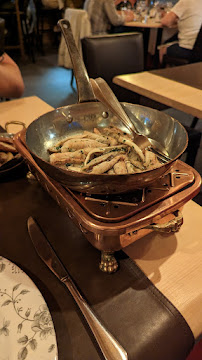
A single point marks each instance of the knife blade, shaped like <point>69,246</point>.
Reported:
<point>110,347</point>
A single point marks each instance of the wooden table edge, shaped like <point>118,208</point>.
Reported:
<point>119,80</point>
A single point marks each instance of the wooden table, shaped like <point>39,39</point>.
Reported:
<point>172,262</point>
<point>178,87</point>
<point>24,109</point>
<point>150,23</point>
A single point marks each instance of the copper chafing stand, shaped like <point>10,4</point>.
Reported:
<point>110,223</point>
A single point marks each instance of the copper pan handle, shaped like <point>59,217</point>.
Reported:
<point>14,122</point>
<point>170,226</point>
<point>85,91</point>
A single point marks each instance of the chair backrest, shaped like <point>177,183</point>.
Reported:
<point>197,49</point>
<point>2,34</point>
<point>109,55</point>
<point>81,27</point>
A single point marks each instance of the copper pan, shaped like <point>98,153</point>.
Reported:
<point>87,114</point>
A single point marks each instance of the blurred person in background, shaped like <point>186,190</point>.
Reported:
<point>126,4</point>
<point>51,4</point>
<point>187,16</point>
<point>11,83</point>
<point>61,4</point>
<point>103,15</point>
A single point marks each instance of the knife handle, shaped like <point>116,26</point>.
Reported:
<point>109,346</point>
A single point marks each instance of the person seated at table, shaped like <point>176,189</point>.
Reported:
<point>126,4</point>
<point>11,84</point>
<point>103,15</point>
<point>61,4</point>
<point>187,16</point>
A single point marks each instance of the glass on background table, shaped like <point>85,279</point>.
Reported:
<point>150,9</point>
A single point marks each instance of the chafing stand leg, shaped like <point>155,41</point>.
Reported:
<point>30,176</point>
<point>108,263</point>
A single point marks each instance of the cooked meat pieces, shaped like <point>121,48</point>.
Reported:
<point>103,151</point>
<point>4,157</point>
<point>4,146</point>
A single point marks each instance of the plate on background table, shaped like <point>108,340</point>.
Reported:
<point>14,167</point>
<point>26,326</point>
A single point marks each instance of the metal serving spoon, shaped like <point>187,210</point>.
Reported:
<point>106,96</point>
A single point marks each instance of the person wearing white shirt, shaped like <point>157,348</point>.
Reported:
<point>187,16</point>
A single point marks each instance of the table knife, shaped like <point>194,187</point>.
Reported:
<point>109,346</point>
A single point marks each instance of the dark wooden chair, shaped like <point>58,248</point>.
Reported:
<point>2,40</point>
<point>47,19</point>
<point>11,13</point>
<point>2,34</point>
<point>19,35</point>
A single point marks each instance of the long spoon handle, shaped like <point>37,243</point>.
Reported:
<point>106,96</point>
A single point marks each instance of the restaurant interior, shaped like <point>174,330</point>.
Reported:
<point>131,254</point>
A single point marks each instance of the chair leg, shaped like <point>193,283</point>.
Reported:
<point>191,156</point>
<point>72,79</point>
<point>193,145</point>
<point>20,34</point>
<point>39,31</point>
<point>29,40</point>
<point>194,122</point>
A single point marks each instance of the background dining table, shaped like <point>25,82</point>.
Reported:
<point>167,268</point>
<point>179,87</point>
